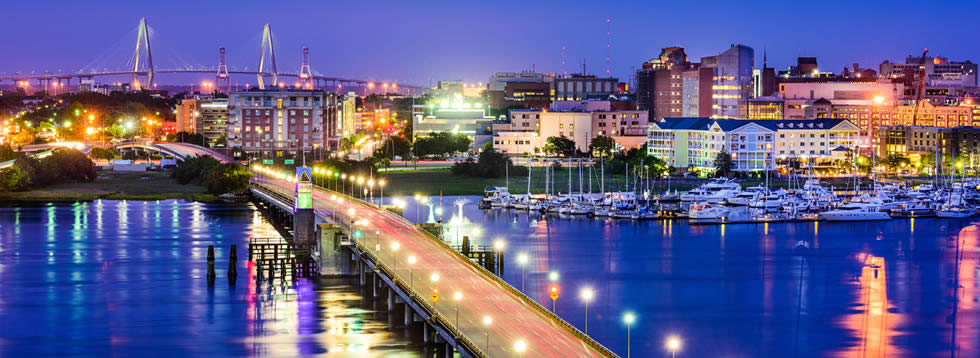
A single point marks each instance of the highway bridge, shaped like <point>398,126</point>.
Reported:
<point>469,309</point>
<point>139,64</point>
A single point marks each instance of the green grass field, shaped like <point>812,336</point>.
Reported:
<point>116,186</point>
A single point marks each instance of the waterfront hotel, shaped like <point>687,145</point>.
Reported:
<point>694,142</point>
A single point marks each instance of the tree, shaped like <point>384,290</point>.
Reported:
<point>103,153</point>
<point>14,178</point>
<point>561,146</point>
<point>602,146</point>
<point>227,178</point>
<point>441,144</point>
<point>392,147</point>
<point>724,164</point>
<point>491,164</point>
<point>894,161</point>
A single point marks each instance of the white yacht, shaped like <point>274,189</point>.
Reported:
<point>703,211</point>
<point>955,212</point>
<point>496,197</point>
<point>745,196</point>
<point>865,213</point>
<point>715,191</point>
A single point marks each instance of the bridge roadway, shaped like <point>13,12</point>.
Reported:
<point>515,317</point>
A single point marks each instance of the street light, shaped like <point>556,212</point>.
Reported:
<point>587,295</point>
<point>381,186</point>
<point>394,249</point>
<point>673,344</point>
<point>486,323</point>
<point>520,346</point>
<point>522,260</point>
<point>411,270</point>
<point>418,204</point>
<point>498,248</point>
<point>628,318</point>
<point>457,296</point>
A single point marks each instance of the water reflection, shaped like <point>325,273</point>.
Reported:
<point>898,288</point>
<point>129,279</point>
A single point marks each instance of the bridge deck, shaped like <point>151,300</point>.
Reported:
<point>514,316</point>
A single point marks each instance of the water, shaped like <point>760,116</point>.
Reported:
<point>788,289</point>
<point>128,278</point>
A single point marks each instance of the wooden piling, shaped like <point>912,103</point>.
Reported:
<point>233,265</point>
<point>211,273</point>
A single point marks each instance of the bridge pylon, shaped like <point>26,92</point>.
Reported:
<point>143,45</point>
<point>267,43</point>
<point>222,74</point>
<point>305,74</point>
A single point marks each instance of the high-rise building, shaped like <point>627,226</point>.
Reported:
<point>187,115</point>
<point>214,121</point>
<point>731,81</point>
<point>281,122</point>
<point>660,83</point>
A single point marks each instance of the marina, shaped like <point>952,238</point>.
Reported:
<point>723,200</point>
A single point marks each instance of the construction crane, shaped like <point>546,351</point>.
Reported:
<point>921,89</point>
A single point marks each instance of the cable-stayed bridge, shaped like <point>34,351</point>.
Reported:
<point>139,64</point>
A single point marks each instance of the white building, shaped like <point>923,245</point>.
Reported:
<point>527,131</point>
<point>753,144</point>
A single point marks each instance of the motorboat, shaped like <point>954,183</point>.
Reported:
<point>912,209</point>
<point>644,214</point>
<point>704,210</point>
<point>494,197</point>
<point>715,191</point>
<point>865,213</point>
<point>955,212</point>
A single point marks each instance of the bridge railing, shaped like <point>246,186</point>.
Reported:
<point>362,245</point>
<point>541,310</point>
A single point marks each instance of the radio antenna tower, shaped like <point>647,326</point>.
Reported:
<point>608,46</point>
<point>564,70</point>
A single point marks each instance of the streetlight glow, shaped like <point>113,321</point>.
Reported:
<point>499,245</point>
<point>673,344</point>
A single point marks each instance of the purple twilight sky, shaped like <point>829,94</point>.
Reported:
<point>419,42</point>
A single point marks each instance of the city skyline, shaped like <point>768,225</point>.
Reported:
<point>432,47</point>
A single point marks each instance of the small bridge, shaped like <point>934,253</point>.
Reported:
<point>179,151</point>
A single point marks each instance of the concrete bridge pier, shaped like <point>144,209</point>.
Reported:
<point>391,300</point>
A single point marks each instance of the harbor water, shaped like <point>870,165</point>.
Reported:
<point>904,287</point>
<point>128,278</point>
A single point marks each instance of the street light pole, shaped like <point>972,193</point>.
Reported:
<point>457,296</point>
<point>628,318</point>
<point>587,295</point>
<point>486,322</point>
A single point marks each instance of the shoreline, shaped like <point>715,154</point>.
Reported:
<point>142,186</point>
